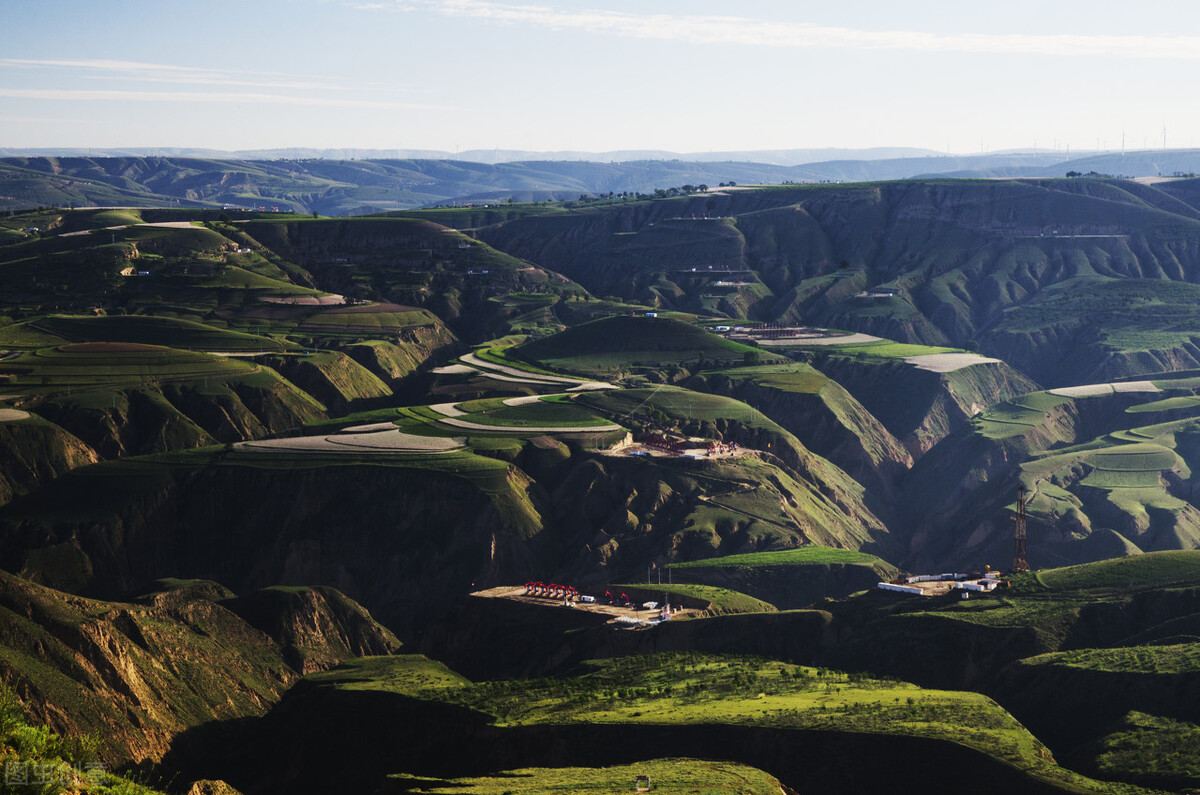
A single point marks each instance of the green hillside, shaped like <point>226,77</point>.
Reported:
<point>825,417</point>
<point>1154,569</point>
<point>620,346</point>
<point>670,694</point>
<point>1026,270</point>
<point>417,411</point>
<point>790,578</point>
<point>144,329</point>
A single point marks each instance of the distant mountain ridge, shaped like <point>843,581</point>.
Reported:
<point>306,183</point>
<point>777,157</point>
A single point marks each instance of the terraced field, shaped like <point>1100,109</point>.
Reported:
<point>149,330</point>
<point>803,556</point>
<point>91,365</point>
<point>675,402</point>
<point>369,320</point>
<point>620,345</point>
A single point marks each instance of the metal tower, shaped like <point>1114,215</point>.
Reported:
<point>1019,562</point>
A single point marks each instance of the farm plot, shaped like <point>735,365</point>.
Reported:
<point>802,556</point>
<point>149,330</point>
<point>379,441</point>
<point>947,362</point>
<point>1091,390</point>
<point>89,365</point>
<point>538,415</point>
<point>1133,466</point>
<point>368,320</point>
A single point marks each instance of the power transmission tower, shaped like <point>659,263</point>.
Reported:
<point>1019,562</point>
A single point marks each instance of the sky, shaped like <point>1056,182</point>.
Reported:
<point>600,75</point>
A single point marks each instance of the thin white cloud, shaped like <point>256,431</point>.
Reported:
<point>770,33</point>
<point>42,120</point>
<point>77,95</point>
<point>136,71</point>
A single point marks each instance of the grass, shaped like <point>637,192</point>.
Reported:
<point>696,689</point>
<point>803,556</point>
<point>676,403</point>
<point>88,366</point>
<point>1166,404</point>
<point>1017,415</point>
<point>666,777</point>
<point>504,355</point>
<point>358,321</point>
<point>722,601</point>
<point>616,345</point>
<point>150,330</point>
<point>38,760</point>
<point>1151,749</point>
<point>886,349</point>
<point>236,277</point>
<point>1181,658</point>
<point>547,413</point>
<point>797,377</point>
<point>412,673</point>
<point>1152,569</point>
<point>27,336</point>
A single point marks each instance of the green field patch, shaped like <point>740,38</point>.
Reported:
<point>1166,404</point>
<point>796,377</point>
<point>677,403</point>
<point>123,217</point>
<point>1151,749</point>
<point>723,601</point>
<point>1134,458</point>
<point>802,556</point>
<point>89,365</point>
<point>233,276</point>
<point>548,413</point>
<point>1152,569</point>
<point>149,330</point>
<point>886,349</point>
<point>1017,415</point>
<point>663,776</point>
<point>412,674</point>
<point>615,345</point>
<point>1181,658</point>
<point>695,689</point>
<point>487,474</point>
<point>506,356</point>
<point>367,320</point>
<point>26,335</point>
<point>1122,479</point>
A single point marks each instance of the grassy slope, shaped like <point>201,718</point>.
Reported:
<point>722,601</point>
<point>666,776</point>
<point>683,689</point>
<point>178,657</point>
<point>822,414</point>
<point>1154,569</point>
<point>616,345</point>
<point>148,330</point>
<point>805,556</point>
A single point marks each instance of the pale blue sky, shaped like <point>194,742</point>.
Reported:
<point>592,75</point>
